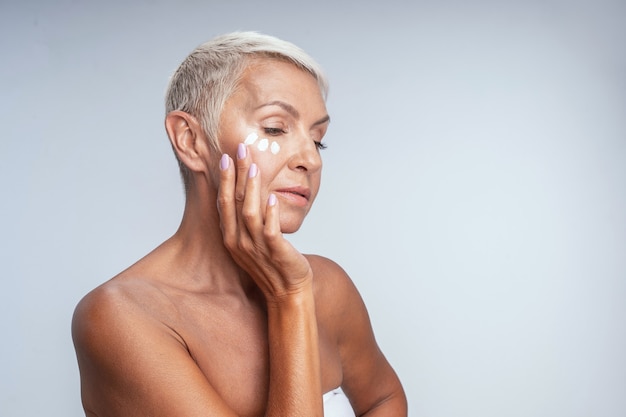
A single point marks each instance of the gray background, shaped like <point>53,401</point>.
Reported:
<point>474,185</point>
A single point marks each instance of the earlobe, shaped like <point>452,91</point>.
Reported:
<point>187,139</point>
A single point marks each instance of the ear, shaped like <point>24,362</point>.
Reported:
<point>188,140</point>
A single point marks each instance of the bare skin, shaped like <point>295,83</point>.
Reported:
<point>227,318</point>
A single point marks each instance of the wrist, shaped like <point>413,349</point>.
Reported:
<point>295,297</point>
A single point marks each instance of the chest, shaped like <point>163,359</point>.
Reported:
<point>229,343</point>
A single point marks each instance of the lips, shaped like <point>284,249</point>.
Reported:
<point>297,195</point>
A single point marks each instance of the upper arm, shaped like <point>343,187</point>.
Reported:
<point>368,379</point>
<point>132,364</point>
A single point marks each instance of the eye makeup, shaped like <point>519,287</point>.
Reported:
<point>263,145</point>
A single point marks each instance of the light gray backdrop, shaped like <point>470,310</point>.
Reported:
<point>474,185</point>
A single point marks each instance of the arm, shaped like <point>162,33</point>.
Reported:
<point>368,379</point>
<point>252,234</point>
<point>131,363</point>
<point>295,388</point>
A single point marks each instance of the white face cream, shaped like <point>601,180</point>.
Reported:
<point>252,137</point>
<point>263,145</point>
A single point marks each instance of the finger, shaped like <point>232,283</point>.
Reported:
<point>251,208</point>
<point>243,167</point>
<point>271,229</point>
<point>273,236</point>
<point>226,204</point>
<point>284,254</point>
<point>244,162</point>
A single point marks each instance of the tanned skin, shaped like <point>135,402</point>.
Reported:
<point>227,318</point>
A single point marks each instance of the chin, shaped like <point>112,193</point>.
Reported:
<point>289,229</point>
<point>290,225</point>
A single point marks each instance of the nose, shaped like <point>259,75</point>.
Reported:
<point>306,157</point>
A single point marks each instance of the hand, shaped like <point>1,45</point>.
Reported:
<point>252,234</point>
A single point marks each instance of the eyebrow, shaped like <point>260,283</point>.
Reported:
<point>292,111</point>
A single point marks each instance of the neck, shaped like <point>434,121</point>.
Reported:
<point>197,254</point>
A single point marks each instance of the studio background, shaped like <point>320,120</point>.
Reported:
<point>474,185</point>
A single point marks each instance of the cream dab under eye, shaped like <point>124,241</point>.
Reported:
<point>263,144</point>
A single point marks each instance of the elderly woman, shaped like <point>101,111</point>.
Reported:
<point>227,318</point>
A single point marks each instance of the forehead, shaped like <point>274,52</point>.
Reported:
<point>264,78</point>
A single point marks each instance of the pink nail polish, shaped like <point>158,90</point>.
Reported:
<point>241,151</point>
<point>224,162</point>
<point>253,171</point>
<point>271,200</point>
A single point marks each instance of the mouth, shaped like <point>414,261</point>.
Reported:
<point>299,195</point>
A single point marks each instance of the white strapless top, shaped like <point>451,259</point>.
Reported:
<point>336,404</point>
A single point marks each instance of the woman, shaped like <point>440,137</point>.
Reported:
<point>227,318</point>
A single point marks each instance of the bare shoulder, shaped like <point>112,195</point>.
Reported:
<point>334,289</point>
<point>338,303</point>
<point>125,339</point>
<point>119,302</point>
<point>112,313</point>
<point>329,275</point>
<point>112,328</point>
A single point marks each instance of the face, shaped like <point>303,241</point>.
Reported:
<point>279,112</point>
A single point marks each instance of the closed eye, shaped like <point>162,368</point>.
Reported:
<point>320,145</point>
<point>274,131</point>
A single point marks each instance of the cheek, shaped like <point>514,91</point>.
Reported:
<point>265,152</point>
<point>264,158</point>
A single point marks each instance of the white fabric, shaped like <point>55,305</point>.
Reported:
<point>336,404</point>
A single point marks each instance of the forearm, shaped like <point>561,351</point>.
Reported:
<point>295,387</point>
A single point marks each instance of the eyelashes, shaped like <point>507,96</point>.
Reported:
<point>276,131</point>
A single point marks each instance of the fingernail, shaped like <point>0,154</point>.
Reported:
<point>272,200</point>
<point>241,151</point>
<point>224,162</point>
<point>253,171</point>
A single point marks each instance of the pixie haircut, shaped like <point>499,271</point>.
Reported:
<point>210,74</point>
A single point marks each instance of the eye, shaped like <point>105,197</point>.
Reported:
<point>320,145</point>
<point>274,131</point>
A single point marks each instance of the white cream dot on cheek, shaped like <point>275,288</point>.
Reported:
<point>263,145</point>
<point>274,147</point>
<point>251,138</point>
